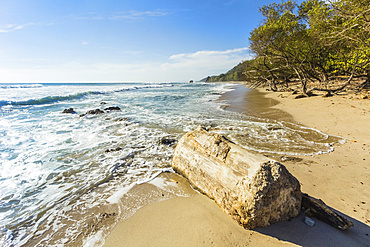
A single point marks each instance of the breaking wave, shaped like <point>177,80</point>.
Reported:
<point>56,99</point>
<point>21,86</point>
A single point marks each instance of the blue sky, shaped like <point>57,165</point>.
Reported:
<point>123,40</point>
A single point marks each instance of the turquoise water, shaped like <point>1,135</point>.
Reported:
<point>56,168</point>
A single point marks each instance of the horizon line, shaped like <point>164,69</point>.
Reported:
<point>40,82</point>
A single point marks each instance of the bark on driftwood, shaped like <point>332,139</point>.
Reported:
<point>318,209</point>
<point>252,189</point>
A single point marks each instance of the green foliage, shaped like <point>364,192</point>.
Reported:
<point>235,74</point>
<point>310,42</point>
<point>314,40</point>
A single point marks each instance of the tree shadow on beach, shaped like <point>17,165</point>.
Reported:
<point>297,232</point>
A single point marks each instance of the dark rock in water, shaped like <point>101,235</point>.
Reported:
<point>113,149</point>
<point>112,108</point>
<point>103,103</point>
<point>168,141</point>
<point>95,112</point>
<point>107,215</point>
<point>92,112</point>
<point>69,110</point>
<point>121,119</point>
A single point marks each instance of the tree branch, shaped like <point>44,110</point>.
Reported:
<point>343,86</point>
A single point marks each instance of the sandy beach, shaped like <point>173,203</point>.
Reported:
<point>340,178</point>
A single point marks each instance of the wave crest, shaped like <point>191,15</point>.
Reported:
<point>55,99</point>
<point>11,86</point>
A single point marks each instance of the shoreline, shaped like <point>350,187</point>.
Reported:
<point>252,102</point>
<point>198,221</point>
<point>348,189</point>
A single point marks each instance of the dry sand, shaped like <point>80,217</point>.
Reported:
<point>341,179</point>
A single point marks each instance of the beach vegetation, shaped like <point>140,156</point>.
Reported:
<point>235,74</point>
<point>321,45</point>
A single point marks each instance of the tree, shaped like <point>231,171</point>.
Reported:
<point>314,41</point>
<point>341,27</point>
<point>283,43</point>
<point>352,28</point>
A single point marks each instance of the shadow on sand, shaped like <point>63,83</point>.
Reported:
<point>297,232</point>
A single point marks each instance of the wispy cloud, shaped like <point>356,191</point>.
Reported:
<point>136,15</point>
<point>131,52</point>
<point>207,54</point>
<point>132,15</point>
<point>207,62</point>
<point>84,43</point>
<point>15,27</point>
<point>178,67</point>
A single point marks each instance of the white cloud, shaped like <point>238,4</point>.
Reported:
<point>14,27</point>
<point>208,54</point>
<point>136,15</point>
<point>203,63</point>
<point>123,15</point>
<point>84,43</point>
<point>178,67</point>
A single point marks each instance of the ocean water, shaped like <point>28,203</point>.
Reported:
<point>57,171</point>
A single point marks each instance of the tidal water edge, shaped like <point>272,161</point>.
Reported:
<point>60,172</point>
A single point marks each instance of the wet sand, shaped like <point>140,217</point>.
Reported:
<point>253,103</point>
<point>341,179</point>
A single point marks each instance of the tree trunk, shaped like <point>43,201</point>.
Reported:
<point>330,91</point>
<point>366,84</point>
<point>272,82</point>
<point>304,86</point>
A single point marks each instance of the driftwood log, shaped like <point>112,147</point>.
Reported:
<point>252,189</point>
<point>318,209</point>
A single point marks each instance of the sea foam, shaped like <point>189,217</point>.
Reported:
<point>58,171</point>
